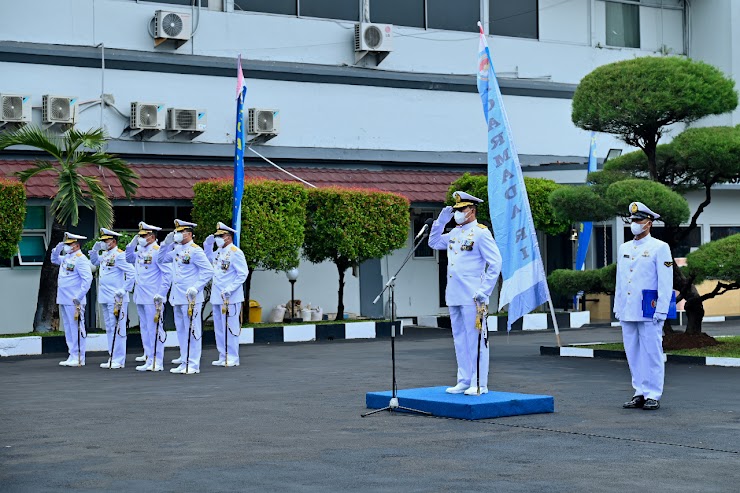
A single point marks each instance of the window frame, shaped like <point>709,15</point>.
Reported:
<point>32,233</point>
<point>45,232</point>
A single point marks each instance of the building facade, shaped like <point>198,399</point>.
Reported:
<point>406,118</point>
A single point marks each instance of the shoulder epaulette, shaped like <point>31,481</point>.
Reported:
<point>482,226</point>
<point>79,254</point>
<point>196,245</point>
<point>234,248</point>
<point>156,247</point>
<point>120,251</point>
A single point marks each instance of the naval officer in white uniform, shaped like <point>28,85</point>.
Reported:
<point>73,283</point>
<point>473,267</point>
<point>115,282</point>
<point>191,271</point>
<point>643,263</point>
<point>152,284</point>
<point>227,293</point>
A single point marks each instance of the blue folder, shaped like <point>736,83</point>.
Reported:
<point>650,299</point>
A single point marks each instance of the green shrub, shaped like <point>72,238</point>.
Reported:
<point>12,215</point>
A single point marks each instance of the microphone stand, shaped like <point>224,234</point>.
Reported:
<point>391,284</point>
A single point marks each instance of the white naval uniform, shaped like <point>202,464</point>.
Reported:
<point>190,268</point>
<point>114,273</point>
<point>229,273</point>
<point>75,277</point>
<point>643,264</point>
<point>152,278</point>
<point>473,265</point>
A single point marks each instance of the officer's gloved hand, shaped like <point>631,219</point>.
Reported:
<point>208,243</point>
<point>100,246</point>
<point>616,315</point>
<point>480,298</point>
<point>76,302</point>
<point>170,238</point>
<point>59,247</point>
<point>158,298</point>
<point>191,293</point>
<point>120,293</point>
<point>446,215</point>
<point>134,241</point>
<point>659,318</point>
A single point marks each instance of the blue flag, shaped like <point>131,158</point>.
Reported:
<point>584,236</point>
<point>525,284</point>
<point>236,213</point>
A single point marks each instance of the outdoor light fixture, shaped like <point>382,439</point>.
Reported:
<point>573,235</point>
<point>613,153</point>
<point>292,275</point>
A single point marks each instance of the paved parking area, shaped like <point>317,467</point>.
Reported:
<point>289,419</point>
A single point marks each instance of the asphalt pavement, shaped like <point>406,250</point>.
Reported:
<point>288,419</point>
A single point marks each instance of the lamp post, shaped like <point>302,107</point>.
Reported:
<point>292,278</point>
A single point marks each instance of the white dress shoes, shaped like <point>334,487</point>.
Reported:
<point>144,367</point>
<point>474,391</point>
<point>112,366</point>
<point>155,368</point>
<point>65,362</point>
<point>177,361</point>
<point>220,362</point>
<point>457,389</point>
<point>179,369</point>
<point>191,371</point>
<point>141,358</point>
<point>232,362</point>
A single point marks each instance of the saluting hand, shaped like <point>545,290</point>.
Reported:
<point>445,215</point>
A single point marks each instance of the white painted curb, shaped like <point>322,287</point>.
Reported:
<point>20,346</point>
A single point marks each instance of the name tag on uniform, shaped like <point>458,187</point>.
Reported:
<point>626,256</point>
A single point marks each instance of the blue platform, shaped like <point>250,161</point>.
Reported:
<point>436,401</point>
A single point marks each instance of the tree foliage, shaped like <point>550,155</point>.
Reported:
<point>349,226</point>
<point>672,207</point>
<point>568,282</point>
<point>538,191</point>
<point>716,260</point>
<point>12,215</point>
<point>635,99</point>
<point>579,204</point>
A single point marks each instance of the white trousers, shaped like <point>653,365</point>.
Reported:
<point>148,331</point>
<point>465,337</point>
<point>67,312</point>
<point>117,351</point>
<point>231,333</point>
<point>643,343</point>
<point>182,324</point>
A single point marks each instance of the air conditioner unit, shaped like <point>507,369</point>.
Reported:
<point>172,25</point>
<point>147,116</point>
<point>373,37</point>
<point>59,109</point>
<point>186,120</point>
<point>15,108</point>
<point>263,121</point>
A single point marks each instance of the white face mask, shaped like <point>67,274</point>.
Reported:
<point>67,248</point>
<point>636,228</point>
<point>220,242</point>
<point>142,242</point>
<point>178,238</point>
<point>459,217</point>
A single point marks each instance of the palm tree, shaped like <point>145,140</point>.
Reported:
<point>71,153</point>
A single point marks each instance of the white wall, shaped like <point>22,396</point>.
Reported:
<point>20,287</point>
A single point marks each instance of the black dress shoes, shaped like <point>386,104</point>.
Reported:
<point>650,405</point>
<point>637,401</point>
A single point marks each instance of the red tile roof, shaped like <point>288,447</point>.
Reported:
<point>175,181</point>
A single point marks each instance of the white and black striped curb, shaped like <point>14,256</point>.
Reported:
<point>530,321</point>
<point>582,352</point>
<point>37,345</point>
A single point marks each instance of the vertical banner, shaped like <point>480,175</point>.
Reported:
<point>584,235</point>
<point>236,213</point>
<point>524,281</point>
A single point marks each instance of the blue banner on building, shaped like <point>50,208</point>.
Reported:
<point>236,214</point>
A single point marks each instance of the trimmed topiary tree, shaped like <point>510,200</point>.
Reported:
<point>349,226</point>
<point>12,215</point>
<point>273,219</point>
<point>717,260</point>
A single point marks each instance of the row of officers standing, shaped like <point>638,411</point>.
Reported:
<point>151,271</point>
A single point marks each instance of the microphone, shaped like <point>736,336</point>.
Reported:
<point>424,229</point>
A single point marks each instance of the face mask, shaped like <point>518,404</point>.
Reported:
<point>142,242</point>
<point>67,248</point>
<point>220,242</point>
<point>459,217</point>
<point>178,238</point>
<point>636,228</point>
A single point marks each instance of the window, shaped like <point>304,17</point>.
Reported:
<point>203,3</point>
<point>163,217</point>
<point>460,15</point>
<point>516,19</point>
<point>622,25</point>
<point>287,7</point>
<point>398,12</point>
<point>33,244</point>
<point>424,251</point>
<point>126,218</point>
<point>331,9</point>
<point>719,232</point>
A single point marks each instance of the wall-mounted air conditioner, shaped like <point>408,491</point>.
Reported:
<point>147,116</point>
<point>172,26</point>
<point>58,110</point>
<point>263,121</point>
<point>15,109</point>
<point>373,38</point>
<point>186,120</point>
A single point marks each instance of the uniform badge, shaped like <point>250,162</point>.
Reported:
<point>668,264</point>
<point>186,258</point>
<point>225,265</point>
<point>147,259</point>
<point>646,253</point>
<point>111,261</point>
<point>467,245</point>
<point>70,267</point>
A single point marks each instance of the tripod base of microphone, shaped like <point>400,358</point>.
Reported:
<point>394,406</point>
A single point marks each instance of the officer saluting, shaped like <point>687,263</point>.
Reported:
<point>115,281</point>
<point>152,284</point>
<point>227,294</point>
<point>73,283</point>
<point>643,263</point>
<point>191,271</point>
<point>473,267</point>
